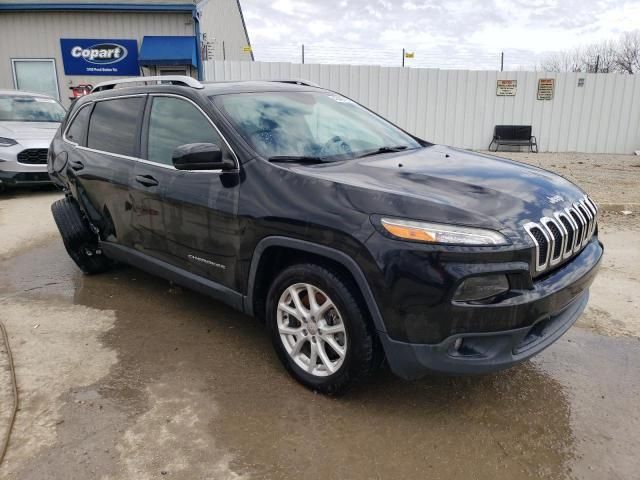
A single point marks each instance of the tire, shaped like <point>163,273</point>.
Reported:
<point>362,353</point>
<point>79,241</point>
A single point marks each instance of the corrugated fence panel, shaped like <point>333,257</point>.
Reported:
<point>461,108</point>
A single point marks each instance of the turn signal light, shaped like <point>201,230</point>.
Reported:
<point>408,233</point>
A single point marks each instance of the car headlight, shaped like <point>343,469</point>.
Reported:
<point>442,233</point>
<point>7,142</point>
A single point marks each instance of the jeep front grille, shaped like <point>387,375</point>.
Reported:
<point>564,234</point>
<point>33,156</point>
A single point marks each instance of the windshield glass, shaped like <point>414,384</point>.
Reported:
<point>24,108</point>
<point>310,124</point>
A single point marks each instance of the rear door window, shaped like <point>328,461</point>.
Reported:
<point>78,129</point>
<point>114,126</point>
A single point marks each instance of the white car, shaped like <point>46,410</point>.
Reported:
<point>28,122</point>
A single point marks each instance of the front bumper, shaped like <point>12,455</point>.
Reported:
<point>542,315</point>
<point>24,179</point>
<point>482,352</point>
<point>14,173</point>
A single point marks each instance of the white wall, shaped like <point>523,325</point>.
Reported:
<point>221,20</point>
<point>460,108</point>
<point>37,35</point>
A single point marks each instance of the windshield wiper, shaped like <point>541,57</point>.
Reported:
<point>385,149</point>
<point>295,159</point>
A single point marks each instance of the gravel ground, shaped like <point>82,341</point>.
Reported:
<point>22,227</point>
<point>613,179</point>
<point>614,306</point>
<point>122,376</point>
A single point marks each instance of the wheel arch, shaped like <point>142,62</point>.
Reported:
<point>261,260</point>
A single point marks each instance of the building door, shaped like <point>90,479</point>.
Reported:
<point>36,75</point>
<point>175,70</point>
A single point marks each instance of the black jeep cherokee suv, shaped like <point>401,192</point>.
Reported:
<point>355,241</point>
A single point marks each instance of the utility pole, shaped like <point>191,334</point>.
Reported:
<point>224,53</point>
<point>502,61</point>
<point>403,58</point>
<point>303,53</point>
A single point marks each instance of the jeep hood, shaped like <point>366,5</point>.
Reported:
<point>449,185</point>
<point>29,130</point>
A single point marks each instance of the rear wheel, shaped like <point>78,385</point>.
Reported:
<point>79,241</point>
<point>319,329</point>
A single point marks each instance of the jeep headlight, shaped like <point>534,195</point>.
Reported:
<point>7,142</point>
<point>442,233</point>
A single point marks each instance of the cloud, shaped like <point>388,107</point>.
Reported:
<point>318,27</point>
<point>462,33</point>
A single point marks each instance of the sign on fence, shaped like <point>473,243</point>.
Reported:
<point>545,88</point>
<point>506,88</point>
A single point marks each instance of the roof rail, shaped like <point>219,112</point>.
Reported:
<point>298,81</point>
<point>172,79</point>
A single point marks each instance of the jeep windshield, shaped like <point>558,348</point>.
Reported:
<point>285,126</point>
<point>25,108</point>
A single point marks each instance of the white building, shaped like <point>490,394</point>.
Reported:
<point>50,47</point>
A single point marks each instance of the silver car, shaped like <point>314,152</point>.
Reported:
<point>28,122</point>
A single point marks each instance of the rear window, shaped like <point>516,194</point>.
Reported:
<point>114,124</point>
<point>78,128</point>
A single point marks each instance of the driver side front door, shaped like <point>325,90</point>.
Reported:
<point>198,214</point>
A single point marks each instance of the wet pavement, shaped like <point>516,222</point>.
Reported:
<point>124,376</point>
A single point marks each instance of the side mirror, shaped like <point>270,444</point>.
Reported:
<point>200,156</point>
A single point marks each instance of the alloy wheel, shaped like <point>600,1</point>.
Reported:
<point>311,329</point>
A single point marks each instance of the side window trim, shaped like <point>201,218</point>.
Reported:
<point>144,142</point>
<point>85,129</point>
<point>139,126</point>
<point>143,132</point>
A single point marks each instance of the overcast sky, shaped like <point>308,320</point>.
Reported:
<point>442,33</point>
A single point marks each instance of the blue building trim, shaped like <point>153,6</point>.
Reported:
<point>137,7</point>
<point>196,26</point>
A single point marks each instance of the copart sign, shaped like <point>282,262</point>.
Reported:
<point>93,56</point>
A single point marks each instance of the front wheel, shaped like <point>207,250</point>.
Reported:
<point>319,329</point>
<point>79,241</point>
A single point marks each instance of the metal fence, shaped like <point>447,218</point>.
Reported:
<point>588,112</point>
<point>461,57</point>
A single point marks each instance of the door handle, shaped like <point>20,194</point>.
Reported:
<point>146,180</point>
<point>76,165</point>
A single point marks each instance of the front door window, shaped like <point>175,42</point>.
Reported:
<point>174,122</point>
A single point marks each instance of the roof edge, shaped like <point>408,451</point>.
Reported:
<point>135,7</point>
<point>244,25</point>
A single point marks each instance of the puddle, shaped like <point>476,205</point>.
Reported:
<point>197,392</point>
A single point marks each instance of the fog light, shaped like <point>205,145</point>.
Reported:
<point>481,287</point>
